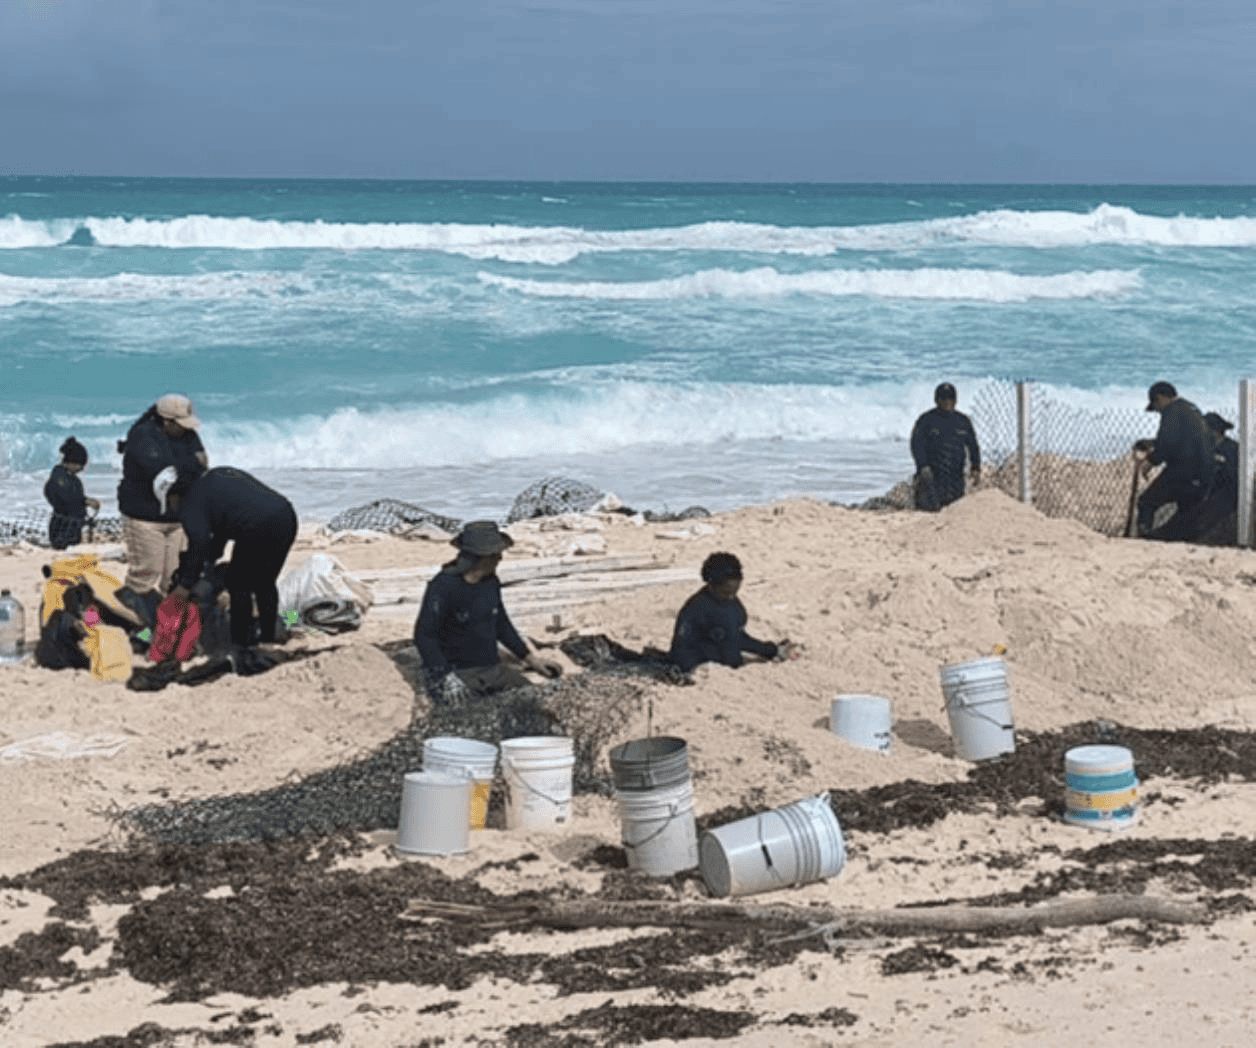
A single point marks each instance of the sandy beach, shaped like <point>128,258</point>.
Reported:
<point>106,941</point>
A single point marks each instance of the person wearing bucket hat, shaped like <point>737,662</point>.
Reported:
<point>64,492</point>
<point>462,620</point>
<point>940,440</point>
<point>711,625</point>
<point>1184,446</point>
<point>165,437</point>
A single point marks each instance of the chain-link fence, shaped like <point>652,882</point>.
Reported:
<point>1081,462</point>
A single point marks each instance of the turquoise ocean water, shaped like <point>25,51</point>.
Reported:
<point>448,343</point>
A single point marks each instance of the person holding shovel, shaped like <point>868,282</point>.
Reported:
<point>1184,445</point>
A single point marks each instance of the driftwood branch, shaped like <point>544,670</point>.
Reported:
<point>1059,913</point>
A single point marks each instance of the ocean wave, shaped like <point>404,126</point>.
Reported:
<point>969,284</point>
<point>554,245</point>
<point>132,287</point>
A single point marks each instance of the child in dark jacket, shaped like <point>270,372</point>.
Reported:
<point>64,491</point>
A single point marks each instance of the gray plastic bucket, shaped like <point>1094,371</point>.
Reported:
<point>646,764</point>
<point>658,830</point>
<point>435,813</point>
<point>796,844</point>
<point>979,708</point>
<point>862,720</point>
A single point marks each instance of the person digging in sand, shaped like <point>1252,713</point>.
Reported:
<point>462,620</point>
<point>711,627</point>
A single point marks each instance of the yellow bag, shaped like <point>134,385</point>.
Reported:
<point>69,571</point>
<point>110,651</point>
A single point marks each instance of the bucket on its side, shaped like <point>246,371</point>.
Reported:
<point>979,708</point>
<point>658,829</point>
<point>645,764</point>
<point>469,758</point>
<point>862,720</point>
<point>435,812</point>
<point>537,770</point>
<point>796,844</point>
<point>1102,788</point>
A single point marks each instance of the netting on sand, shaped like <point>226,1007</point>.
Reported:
<point>32,526</point>
<point>365,794</point>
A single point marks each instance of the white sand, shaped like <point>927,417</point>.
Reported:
<point>1148,635</point>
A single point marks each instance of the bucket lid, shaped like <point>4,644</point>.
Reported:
<point>436,778</point>
<point>645,764</point>
<point>453,746</point>
<point>1092,760</point>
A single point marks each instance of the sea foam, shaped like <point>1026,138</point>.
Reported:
<point>554,245</point>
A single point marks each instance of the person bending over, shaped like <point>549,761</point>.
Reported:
<point>227,504</point>
<point>64,492</point>
<point>462,620</point>
<point>711,627</point>
<point>1185,446</point>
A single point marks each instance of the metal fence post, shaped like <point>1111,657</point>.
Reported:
<point>1247,458</point>
<point>1024,442</point>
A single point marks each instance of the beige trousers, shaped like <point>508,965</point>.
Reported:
<point>152,553</point>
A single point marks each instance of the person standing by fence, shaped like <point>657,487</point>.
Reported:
<point>64,491</point>
<point>1184,445</point>
<point>939,441</point>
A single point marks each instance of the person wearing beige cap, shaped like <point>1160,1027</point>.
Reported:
<point>161,457</point>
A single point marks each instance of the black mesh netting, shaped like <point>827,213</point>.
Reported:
<point>553,497</point>
<point>32,526</point>
<point>390,516</point>
<point>365,794</point>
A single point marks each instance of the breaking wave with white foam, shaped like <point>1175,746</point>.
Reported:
<point>554,245</point>
<point>927,283</point>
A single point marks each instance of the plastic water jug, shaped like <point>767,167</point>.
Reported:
<point>12,628</point>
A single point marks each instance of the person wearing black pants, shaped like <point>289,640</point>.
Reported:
<point>227,504</point>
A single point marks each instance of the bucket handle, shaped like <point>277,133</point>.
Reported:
<point>672,811</point>
<point>532,789</point>
<point>972,711</point>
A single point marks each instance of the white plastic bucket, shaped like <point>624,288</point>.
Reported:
<point>1101,788</point>
<point>470,759</point>
<point>435,812</point>
<point>979,707</point>
<point>862,720</point>
<point>658,830</point>
<point>796,844</point>
<point>537,771</point>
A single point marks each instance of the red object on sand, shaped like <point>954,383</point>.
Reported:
<point>178,627</point>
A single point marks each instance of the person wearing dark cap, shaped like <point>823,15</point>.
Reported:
<point>1184,445</point>
<point>711,626</point>
<point>939,441</point>
<point>228,505</point>
<point>64,491</point>
<point>1216,519</point>
<point>164,438</point>
<point>462,620</point>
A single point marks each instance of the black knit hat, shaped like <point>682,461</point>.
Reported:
<point>1216,423</point>
<point>944,392</point>
<point>74,452</point>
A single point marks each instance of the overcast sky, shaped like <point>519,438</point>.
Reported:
<point>728,90</point>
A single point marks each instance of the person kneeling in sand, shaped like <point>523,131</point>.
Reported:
<point>462,620</point>
<point>711,627</point>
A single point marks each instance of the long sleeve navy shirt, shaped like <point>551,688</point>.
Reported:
<point>939,438</point>
<point>1185,445</point>
<point>149,450</point>
<point>64,492</point>
<point>460,624</point>
<point>228,504</point>
<point>711,630</point>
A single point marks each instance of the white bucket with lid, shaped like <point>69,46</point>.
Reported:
<point>658,829</point>
<point>796,844</point>
<point>435,812</point>
<point>537,771</point>
<point>979,707</point>
<point>1101,788</point>
<point>470,759</point>
<point>862,720</point>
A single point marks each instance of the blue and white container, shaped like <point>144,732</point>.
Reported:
<point>1101,788</point>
